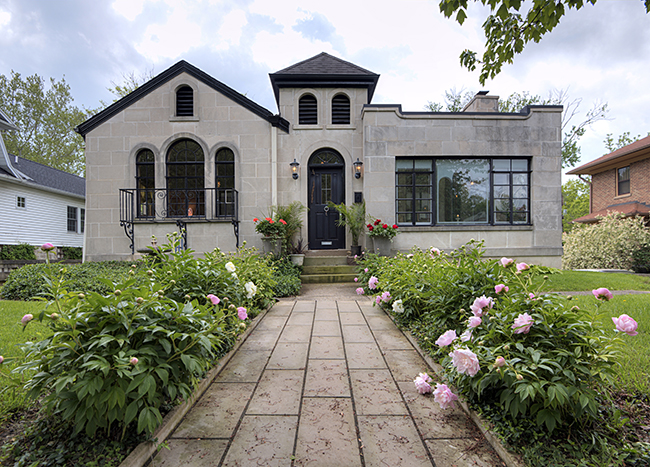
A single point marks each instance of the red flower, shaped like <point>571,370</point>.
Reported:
<point>268,219</point>
<point>370,227</point>
<point>394,226</point>
<point>378,221</point>
<point>255,220</point>
<point>271,221</point>
<point>283,221</point>
<point>385,226</point>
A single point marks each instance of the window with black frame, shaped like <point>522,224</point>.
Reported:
<point>72,219</point>
<point>145,182</point>
<point>445,191</point>
<point>623,181</point>
<point>185,179</point>
<point>225,182</point>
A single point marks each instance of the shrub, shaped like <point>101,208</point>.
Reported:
<point>641,259</point>
<point>609,244</point>
<point>287,277</point>
<point>22,251</point>
<point>72,252</point>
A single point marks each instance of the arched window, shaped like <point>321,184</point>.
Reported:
<point>307,110</point>
<point>225,182</point>
<point>145,182</point>
<point>340,110</point>
<point>185,102</point>
<point>185,179</point>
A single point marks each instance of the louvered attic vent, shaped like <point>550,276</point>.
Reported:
<point>185,102</point>
<point>340,110</point>
<point>307,110</point>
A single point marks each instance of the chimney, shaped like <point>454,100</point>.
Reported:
<point>481,102</point>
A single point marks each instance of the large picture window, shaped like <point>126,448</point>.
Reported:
<point>446,191</point>
<point>185,179</point>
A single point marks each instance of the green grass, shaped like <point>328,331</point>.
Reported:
<point>633,374</point>
<point>572,281</point>
<point>11,336</point>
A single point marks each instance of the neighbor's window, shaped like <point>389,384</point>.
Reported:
<point>432,191</point>
<point>72,219</point>
<point>185,101</point>
<point>340,110</point>
<point>20,202</point>
<point>623,180</point>
<point>225,182</point>
<point>307,110</point>
<point>82,220</point>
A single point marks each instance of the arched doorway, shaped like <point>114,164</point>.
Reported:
<point>326,183</point>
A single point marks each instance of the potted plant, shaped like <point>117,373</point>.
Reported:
<point>297,252</point>
<point>382,235</point>
<point>292,215</point>
<point>353,217</point>
<point>272,233</point>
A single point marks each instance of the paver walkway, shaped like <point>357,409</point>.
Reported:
<point>324,381</point>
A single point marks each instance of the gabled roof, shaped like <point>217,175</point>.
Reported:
<point>180,67</point>
<point>325,71</point>
<point>46,177</point>
<point>638,150</point>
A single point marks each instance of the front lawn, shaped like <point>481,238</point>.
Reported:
<point>573,281</point>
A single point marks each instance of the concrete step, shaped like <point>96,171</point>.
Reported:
<point>327,278</point>
<point>338,269</point>
<point>326,260</point>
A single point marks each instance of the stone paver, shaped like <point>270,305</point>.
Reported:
<point>324,382</point>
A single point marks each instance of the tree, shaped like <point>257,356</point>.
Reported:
<point>46,118</point>
<point>622,141</point>
<point>455,101</point>
<point>507,32</point>
<point>575,202</point>
<point>130,83</point>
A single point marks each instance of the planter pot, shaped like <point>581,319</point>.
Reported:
<point>355,250</point>
<point>382,246</point>
<point>297,259</point>
<point>272,245</point>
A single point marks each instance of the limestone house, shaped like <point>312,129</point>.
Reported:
<point>186,151</point>
<point>620,182</point>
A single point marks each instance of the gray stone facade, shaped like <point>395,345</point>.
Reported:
<point>264,145</point>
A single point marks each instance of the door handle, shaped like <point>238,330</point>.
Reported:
<point>326,209</point>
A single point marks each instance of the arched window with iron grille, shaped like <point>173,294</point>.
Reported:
<point>185,179</point>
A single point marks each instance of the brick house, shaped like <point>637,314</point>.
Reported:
<point>186,151</point>
<point>620,182</point>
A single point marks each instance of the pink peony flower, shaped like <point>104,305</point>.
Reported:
<point>359,290</point>
<point>522,267</point>
<point>505,262</point>
<point>365,270</point>
<point>385,297</point>
<point>480,303</point>
<point>47,247</point>
<point>435,252</point>
<point>2,359</point>
<point>422,383</point>
<point>466,336</point>
<point>27,318</point>
<point>602,294</point>
<point>625,324</point>
<point>356,279</point>
<point>134,361</point>
<point>443,396</point>
<point>531,296</point>
<point>465,361</point>
<point>499,362</point>
<point>372,283</point>
<point>500,288</point>
<point>523,323</point>
<point>214,299</point>
<point>241,313</point>
<point>474,321</point>
<point>378,299</point>
<point>446,338</point>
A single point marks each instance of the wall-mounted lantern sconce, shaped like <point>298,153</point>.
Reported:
<point>295,169</point>
<point>357,168</point>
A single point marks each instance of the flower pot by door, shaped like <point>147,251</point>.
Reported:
<point>297,259</point>
<point>272,245</point>
<point>355,250</point>
<point>382,246</point>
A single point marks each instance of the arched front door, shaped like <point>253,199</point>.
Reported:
<point>326,183</point>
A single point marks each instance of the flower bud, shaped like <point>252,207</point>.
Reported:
<point>226,299</point>
<point>519,377</point>
<point>161,292</point>
<point>506,347</point>
<point>242,325</point>
<point>231,306</point>
<point>54,316</point>
<point>139,300</point>
<point>26,319</point>
<point>134,361</point>
<point>499,362</point>
<point>134,266</point>
<point>569,297</point>
<point>117,292</point>
<point>132,272</point>
<point>187,297</point>
<point>81,296</point>
<point>169,273</point>
<point>2,359</point>
<point>150,272</point>
<point>62,270</point>
<point>172,282</point>
<point>575,308</point>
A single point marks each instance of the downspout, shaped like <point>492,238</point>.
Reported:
<point>274,166</point>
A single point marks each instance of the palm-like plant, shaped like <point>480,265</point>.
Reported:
<point>353,217</point>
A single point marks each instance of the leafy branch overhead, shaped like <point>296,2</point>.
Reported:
<point>507,31</point>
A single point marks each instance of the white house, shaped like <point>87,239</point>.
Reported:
<point>38,204</point>
<point>186,151</point>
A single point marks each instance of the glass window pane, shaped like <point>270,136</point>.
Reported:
<point>520,192</point>
<point>404,192</point>
<point>520,205</point>
<point>501,192</point>
<point>520,179</point>
<point>502,204</point>
<point>405,206</point>
<point>623,174</point>
<point>422,192</point>
<point>405,179</point>
<point>402,165</point>
<point>520,165</point>
<point>423,205</point>
<point>422,179</point>
<point>502,217</point>
<point>463,190</point>
<point>501,165</point>
<point>520,218</point>
<point>423,164</point>
<point>501,179</point>
<point>405,218</point>
<point>623,188</point>
<point>423,218</point>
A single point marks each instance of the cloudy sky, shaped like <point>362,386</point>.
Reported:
<point>600,54</point>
